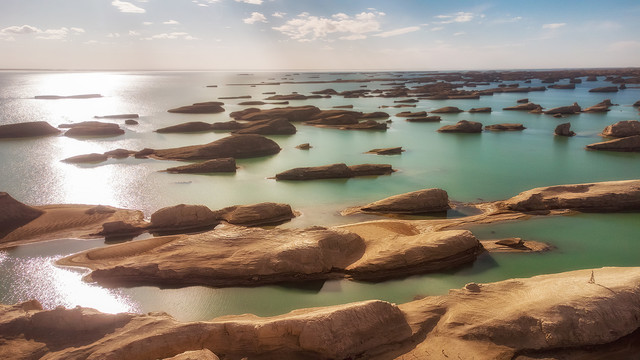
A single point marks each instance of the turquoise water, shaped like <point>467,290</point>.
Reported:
<point>486,166</point>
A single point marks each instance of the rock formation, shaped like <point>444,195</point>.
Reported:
<point>505,127</point>
<point>563,86</point>
<point>92,128</point>
<point>291,113</point>
<point>605,89</point>
<point>210,107</point>
<point>118,116</point>
<point>386,151</point>
<point>14,214</point>
<point>600,197</point>
<point>415,202</point>
<point>462,126</point>
<point>225,165</point>
<point>27,129</point>
<point>266,213</point>
<point>599,107</point>
<point>480,110</point>
<point>525,107</point>
<point>334,171</point>
<point>180,218</point>
<point>304,146</point>
<point>565,110</point>
<point>278,126</point>
<point>86,158</point>
<point>626,144</point>
<point>194,126</point>
<point>434,118</point>
<point>235,146</point>
<point>447,110</point>
<point>564,130</point>
<point>410,114</point>
<point>548,316</point>
<point>622,129</point>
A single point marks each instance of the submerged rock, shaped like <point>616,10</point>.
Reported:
<point>566,110</point>
<point>434,118</point>
<point>278,126</point>
<point>462,126</point>
<point>86,158</point>
<point>27,129</point>
<point>525,107</point>
<point>305,146</point>
<point>605,89</point>
<point>92,128</point>
<point>386,151</point>
<point>480,110</point>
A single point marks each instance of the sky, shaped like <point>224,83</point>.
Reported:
<point>318,34</point>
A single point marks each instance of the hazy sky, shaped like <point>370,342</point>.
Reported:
<point>318,34</point>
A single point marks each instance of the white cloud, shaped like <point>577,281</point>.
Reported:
<point>171,22</point>
<point>353,37</point>
<point>438,28</point>
<point>553,26</point>
<point>113,35</point>
<point>127,7</point>
<point>278,14</point>
<point>255,17</point>
<point>21,30</point>
<point>459,33</point>
<point>147,23</point>
<point>307,28</point>
<point>254,2</point>
<point>49,34</point>
<point>133,33</point>
<point>459,17</point>
<point>397,32</point>
<point>171,36</point>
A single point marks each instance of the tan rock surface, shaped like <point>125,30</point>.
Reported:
<point>625,144</point>
<point>601,197</point>
<point>210,166</point>
<point>415,202</point>
<point>27,129</point>
<point>69,221</point>
<point>622,129</point>
<point>182,217</point>
<point>204,354</point>
<point>228,256</point>
<point>14,214</point>
<point>462,126</point>
<point>267,213</point>
<point>235,146</point>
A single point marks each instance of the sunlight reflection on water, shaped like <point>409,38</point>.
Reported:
<point>38,278</point>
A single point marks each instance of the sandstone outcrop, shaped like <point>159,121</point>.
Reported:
<point>462,126</point>
<point>266,213</point>
<point>334,171</point>
<point>564,130</point>
<point>386,151</point>
<point>58,97</point>
<point>118,116</point>
<point>622,129</point>
<point>602,106</point>
<point>605,89</point>
<point>606,196</point>
<point>434,118</point>
<point>570,86</point>
<point>375,115</point>
<point>14,214</point>
<point>278,126</point>
<point>304,146</point>
<point>181,218</point>
<point>409,114</point>
<point>505,127</point>
<point>210,166</point>
<point>522,101</point>
<point>480,110</point>
<point>194,126</point>
<point>625,144</point>
<point>92,128</point>
<point>210,107</point>
<point>291,113</point>
<point>228,256</point>
<point>235,146</point>
<point>416,202</point>
<point>565,110</point>
<point>548,316</point>
<point>525,107</point>
<point>204,354</point>
<point>447,110</point>
<point>227,125</point>
<point>27,129</point>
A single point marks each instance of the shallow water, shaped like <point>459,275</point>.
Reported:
<point>487,166</point>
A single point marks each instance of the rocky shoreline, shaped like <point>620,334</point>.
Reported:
<point>567,314</point>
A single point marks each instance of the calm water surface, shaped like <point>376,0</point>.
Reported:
<point>486,166</point>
